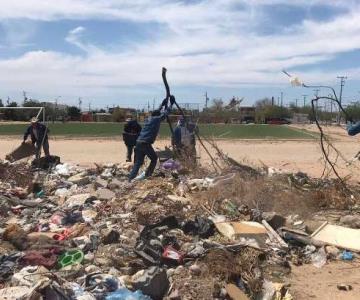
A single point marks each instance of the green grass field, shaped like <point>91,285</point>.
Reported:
<point>228,131</point>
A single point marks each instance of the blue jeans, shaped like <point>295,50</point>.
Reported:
<point>142,150</point>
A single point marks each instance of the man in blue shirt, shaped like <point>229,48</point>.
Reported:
<point>39,136</point>
<point>146,138</point>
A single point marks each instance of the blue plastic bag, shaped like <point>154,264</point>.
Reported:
<point>347,255</point>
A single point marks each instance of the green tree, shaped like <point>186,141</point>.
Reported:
<point>353,110</point>
<point>1,103</point>
<point>10,114</point>
<point>73,113</point>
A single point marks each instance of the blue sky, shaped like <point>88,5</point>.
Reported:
<point>110,52</point>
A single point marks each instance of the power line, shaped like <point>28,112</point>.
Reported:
<point>342,83</point>
<point>304,99</point>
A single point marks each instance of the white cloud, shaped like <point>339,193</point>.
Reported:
<point>207,43</point>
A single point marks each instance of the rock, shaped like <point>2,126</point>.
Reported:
<point>195,270</point>
<point>275,221</point>
<point>332,251</point>
<point>152,282</point>
<point>62,192</point>
<point>100,183</point>
<point>92,269</point>
<point>110,236</point>
<point>115,184</point>
<point>80,179</point>
<point>77,200</point>
<point>105,194</point>
<point>351,221</point>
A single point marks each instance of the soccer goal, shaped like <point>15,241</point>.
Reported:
<point>40,110</point>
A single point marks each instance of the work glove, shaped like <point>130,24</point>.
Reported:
<point>172,100</point>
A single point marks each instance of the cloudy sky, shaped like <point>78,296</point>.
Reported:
<point>111,51</point>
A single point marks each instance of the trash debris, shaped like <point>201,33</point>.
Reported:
<point>342,237</point>
<point>344,287</point>
<point>87,233</point>
<point>235,293</point>
<point>346,255</point>
<point>318,258</point>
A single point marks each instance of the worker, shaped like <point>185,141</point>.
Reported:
<point>39,137</point>
<point>184,140</point>
<point>353,129</point>
<point>146,138</point>
<point>131,132</point>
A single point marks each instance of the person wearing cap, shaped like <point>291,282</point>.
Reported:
<point>39,136</point>
<point>130,134</point>
<point>184,140</point>
<point>146,138</point>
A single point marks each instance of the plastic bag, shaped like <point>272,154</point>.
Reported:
<point>318,258</point>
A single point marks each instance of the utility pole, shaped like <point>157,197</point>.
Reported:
<point>89,106</point>
<point>206,100</point>
<point>316,93</point>
<point>304,99</point>
<point>282,97</point>
<point>80,102</point>
<point>153,104</point>
<point>342,83</point>
<point>25,98</point>
<point>296,102</point>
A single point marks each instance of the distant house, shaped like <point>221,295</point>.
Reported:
<point>87,117</point>
<point>247,113</point>
<point>103,117</point>
<point>300,118</point>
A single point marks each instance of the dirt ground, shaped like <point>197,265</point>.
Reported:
<point>309,282</point>
<point>288,155</point>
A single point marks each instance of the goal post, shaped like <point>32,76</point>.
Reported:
<point>41,110</point>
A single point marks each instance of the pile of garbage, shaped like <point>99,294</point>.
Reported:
<point>87,233</point>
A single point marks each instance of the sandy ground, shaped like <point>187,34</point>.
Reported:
<point>309,282</point>
<point>298,155</point>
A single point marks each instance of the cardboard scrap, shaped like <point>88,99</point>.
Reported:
<point>232,230</point>
<point>235,293</point>
<point>24,150</point>
<point>339,236</point>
